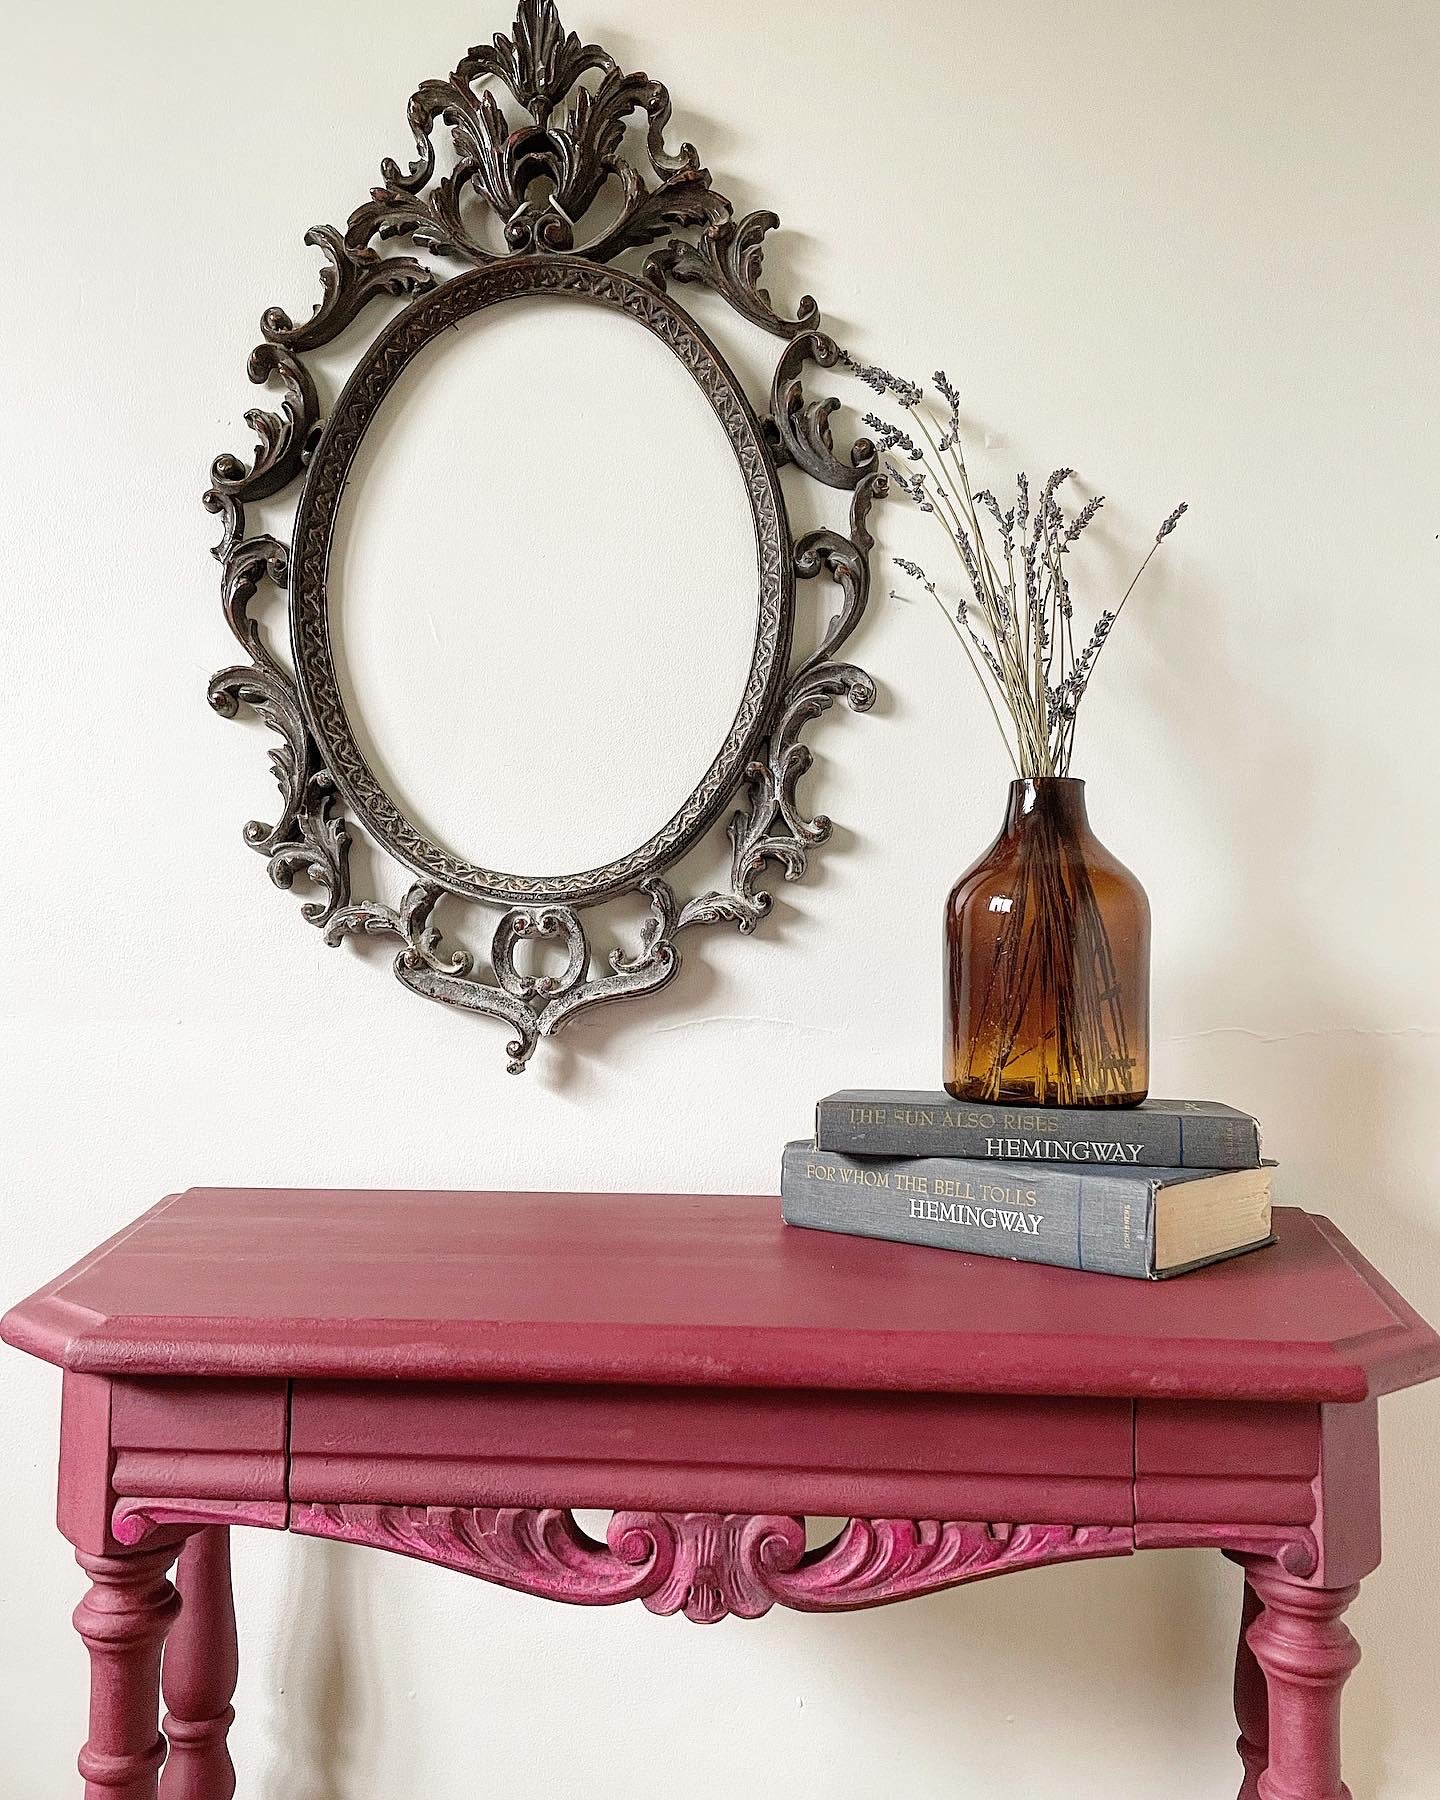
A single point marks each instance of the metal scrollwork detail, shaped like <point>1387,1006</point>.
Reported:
<point>353,276</point>
<point>309,837</point>
<point>728,258</point>
<point>411,924</point>
<point>540,166</point>
<point>802,428</point>
<point>286,437</point>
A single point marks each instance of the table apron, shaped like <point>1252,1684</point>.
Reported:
<point>860,1454</point>
<point>1291,1481</point>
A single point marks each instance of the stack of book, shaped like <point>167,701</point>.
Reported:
<point>1149,1191</point>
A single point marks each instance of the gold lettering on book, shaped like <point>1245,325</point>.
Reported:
<point>942,1199</point>
<point>1015,1149</point>
<point>983,1217</point>
<point>1011,1136</point>
<point>848,1174</point>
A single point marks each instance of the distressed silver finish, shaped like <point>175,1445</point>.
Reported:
<point>512,210</point>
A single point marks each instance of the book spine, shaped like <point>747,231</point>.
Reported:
<point>1219,1141</point>
<point>1029,1214</point>
<point>860,1125</point>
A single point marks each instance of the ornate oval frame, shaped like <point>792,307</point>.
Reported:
<point>315,675</point>
<point>512,206</point>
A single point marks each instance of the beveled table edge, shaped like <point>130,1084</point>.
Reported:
<point>57,1330</point>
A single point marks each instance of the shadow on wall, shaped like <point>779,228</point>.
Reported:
<point>1352,1095</point>
<point>981,1679</point>
<point>333,1712</point>
<point>1345,1111</point>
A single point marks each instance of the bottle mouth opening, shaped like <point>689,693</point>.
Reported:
<point>1059,797</point>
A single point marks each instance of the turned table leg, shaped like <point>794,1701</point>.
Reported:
<point>123,1620</point>
<point>1252,1704</point>
<point>1306,1652</point>
<point>199,1673</point>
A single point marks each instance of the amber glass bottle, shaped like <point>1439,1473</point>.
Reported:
<point>1047,963</point>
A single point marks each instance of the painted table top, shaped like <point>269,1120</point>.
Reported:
<point>697,1290</point>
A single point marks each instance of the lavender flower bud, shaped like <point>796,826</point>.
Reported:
<point>891,437</point>
<point>881,381</point>
<point>1083,518</point>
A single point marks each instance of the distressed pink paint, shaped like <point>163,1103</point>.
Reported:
<point>1252,1703</point>
<point>198,1675</point>
<point>1306,1652</point>
<point>1292,1547</point>
<point>479,1365</point>
<point>134,1521</point>
<point>123,1620</point>
<point>708,1565</point>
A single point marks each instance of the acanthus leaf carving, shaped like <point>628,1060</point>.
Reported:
<point>571,155</point>
<point>320,851</point>
<point>412,923</point>
<point>435,225</point>
<point>876,1561</point>
<point>268,693</point>
<point>353,276</point>
<point>309,837</point>
<point>245,566</point>
<point>709,1566</point>
<point>802,427</point>
<point>539,64</point>
<point>729,258</point>
<point>846,560</point>
<point>515,203</point>
<point>681,200</point>
<point>286,438</point>
<point>425,967</point>
<point>772,827</point>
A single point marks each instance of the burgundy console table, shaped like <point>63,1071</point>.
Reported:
<point>446,1375</point>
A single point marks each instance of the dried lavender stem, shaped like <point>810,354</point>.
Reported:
<point>1017,684</point>
<point>954,624</point>
<point>1027,653</point>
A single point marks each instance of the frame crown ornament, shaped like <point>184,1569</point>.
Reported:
<point>545,199</point>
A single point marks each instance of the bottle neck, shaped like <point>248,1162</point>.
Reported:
<point>1059,799</point>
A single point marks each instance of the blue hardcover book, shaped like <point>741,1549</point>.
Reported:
<point>1164,1134</point>
<point>1114,1221</point>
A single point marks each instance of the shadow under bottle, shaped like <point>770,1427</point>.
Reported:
<point>1047,963</point>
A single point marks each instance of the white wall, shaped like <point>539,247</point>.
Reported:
<point>1190,249</point>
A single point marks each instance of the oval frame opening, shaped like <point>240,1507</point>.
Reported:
<point>310,612</point>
